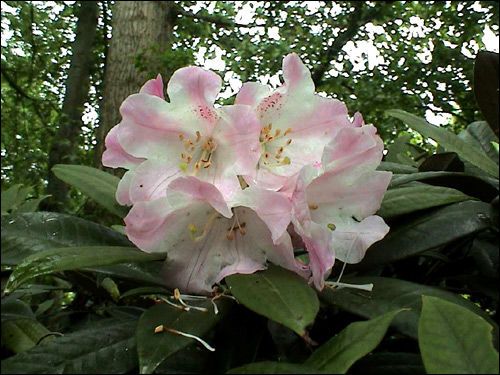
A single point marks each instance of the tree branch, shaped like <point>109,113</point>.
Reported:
<point>216,20</point>
<point>15,86</point>
<point>359,17</point>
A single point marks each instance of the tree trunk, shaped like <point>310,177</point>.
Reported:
<point>141,32</point>
<point>77,91</point>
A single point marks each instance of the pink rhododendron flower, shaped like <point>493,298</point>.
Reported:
<point>206,240</point>
<point>295,123</point>
<point>334,202</point>
<point>217,188</point>
<point>159,141</point>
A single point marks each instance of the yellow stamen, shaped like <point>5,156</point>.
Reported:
<point>313,206</point>
<point>331,226</point>
<point>177,294</point>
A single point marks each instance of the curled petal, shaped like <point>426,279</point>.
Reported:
<point>353,147</point>
<point>358,120</point>
<point>351,239</point>
<point>317,239</point>
<point>123,189</point>
<point>183,190</point>
<point>144,224</point>
<point>273,208</point>
<point>154,87</point>
<point>115,156</point>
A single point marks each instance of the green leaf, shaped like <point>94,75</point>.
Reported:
<point>9,198</point>
<point>398,151</point>
<point>13,197</point>
<point>145,290</point>
<point>389,363</point>
<point>277,294</point>
<point>153,348</point>
<point>268,367</point>
<point>429,231</point>
<point>388,295</point>
<point>13,309</point>
<point>142,273</point>
<point>105,347</point>
<point>28,233</point>
<point>71,258</point>
<point>98,185</point>
<point>453,340</point>
<point>448,140</point>
<point>31,205</point>
<point>480,135</point>
<point>409,199</point>
<point>401,179</point>
<point>22,334</point>
<point>396,167</point>
<point>358,339</point>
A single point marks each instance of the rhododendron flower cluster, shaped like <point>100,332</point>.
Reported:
<point>218,188</point>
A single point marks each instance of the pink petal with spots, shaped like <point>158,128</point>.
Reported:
<point>342,194</point>
<point>302,124</point>
<point>252,93</point>
<point>150,180</point>
<point>237,151</point>
<point>153,87</point>
<point>194,236</point>
<point>193,85</point>
<point>274,208</point>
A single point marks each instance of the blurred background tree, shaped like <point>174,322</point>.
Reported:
<point>66,66</point>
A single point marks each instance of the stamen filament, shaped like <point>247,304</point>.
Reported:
<point>204,343</point>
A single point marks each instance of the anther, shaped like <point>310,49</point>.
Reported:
<point>277,132</point>
<point>159,328</point>
<point>198,136</point>
<point>181,137</point>
<point>287,131</point>
<point>313,206</point>
<point>288,142</point>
